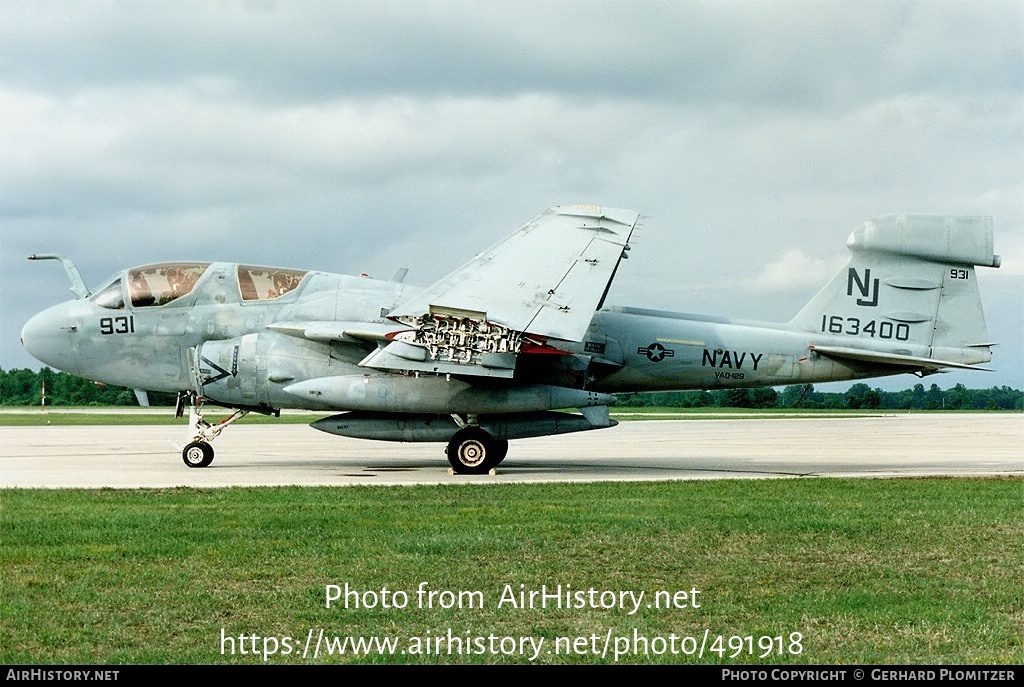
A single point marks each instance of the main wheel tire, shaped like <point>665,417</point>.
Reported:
<point>472,451</point>
<point>500,450</point>
<point>197,454</point>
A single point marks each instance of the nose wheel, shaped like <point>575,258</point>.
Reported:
<point>198,454</point>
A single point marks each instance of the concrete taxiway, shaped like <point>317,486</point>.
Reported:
<point>884,445</point>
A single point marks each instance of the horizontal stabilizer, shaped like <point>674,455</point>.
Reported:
<point>893,359</point>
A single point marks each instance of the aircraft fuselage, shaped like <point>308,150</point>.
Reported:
<point>625,349</point>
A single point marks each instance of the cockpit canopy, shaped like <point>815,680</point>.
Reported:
<point>163,283</point>
<point>266,283</point>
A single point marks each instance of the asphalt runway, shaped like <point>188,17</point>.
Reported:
<point>897,445</point>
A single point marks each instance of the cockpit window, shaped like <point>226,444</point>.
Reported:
<point>266,283</point>
<point>109,296</point>
<point>160,284</point>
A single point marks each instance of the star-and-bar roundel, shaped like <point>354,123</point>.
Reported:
<point>656,352</point>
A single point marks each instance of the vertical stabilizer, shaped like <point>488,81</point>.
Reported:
<point>910,286</point>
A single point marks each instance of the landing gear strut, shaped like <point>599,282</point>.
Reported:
<point>198,453</point>
<point>473,451</point>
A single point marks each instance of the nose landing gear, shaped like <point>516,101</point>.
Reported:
<point>198,453</point>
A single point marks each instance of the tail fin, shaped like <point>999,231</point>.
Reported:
<point>909,296</point>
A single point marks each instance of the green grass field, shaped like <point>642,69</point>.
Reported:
<point>812,571</point>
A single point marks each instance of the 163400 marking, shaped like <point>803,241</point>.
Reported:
<point>854,326</point>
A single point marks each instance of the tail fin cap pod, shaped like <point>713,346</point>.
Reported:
<point>950,239</point>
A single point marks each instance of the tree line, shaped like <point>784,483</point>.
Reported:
<point>24,388</point>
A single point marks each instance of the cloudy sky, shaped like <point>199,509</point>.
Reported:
<point>364,137</point>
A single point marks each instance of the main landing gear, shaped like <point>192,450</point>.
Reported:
<point>198,453</point>
<point>473,451</point>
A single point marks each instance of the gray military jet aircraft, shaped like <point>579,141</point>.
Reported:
<point>490,352</point>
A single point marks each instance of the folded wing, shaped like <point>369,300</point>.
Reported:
<point>542,283</point>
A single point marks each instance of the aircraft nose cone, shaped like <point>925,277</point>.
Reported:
<point>47,338</point>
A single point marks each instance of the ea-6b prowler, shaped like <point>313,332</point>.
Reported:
<point>502,346</point>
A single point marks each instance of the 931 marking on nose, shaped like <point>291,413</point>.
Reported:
<point>117,325</point>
